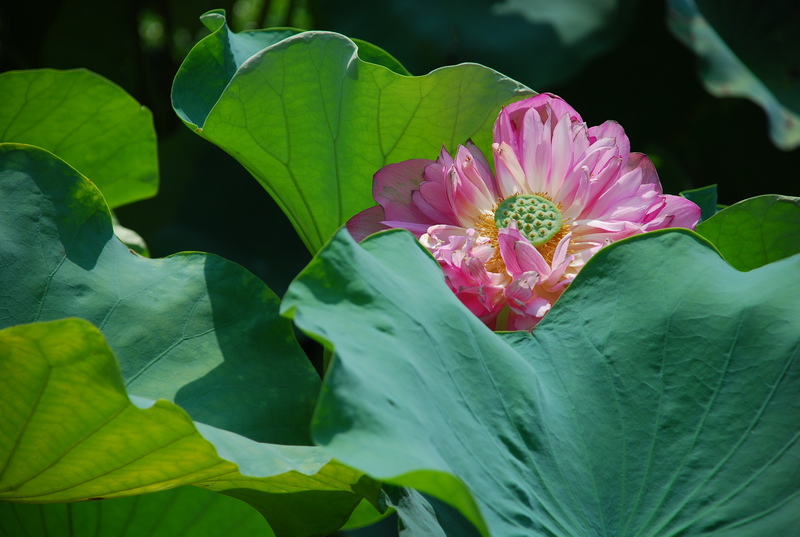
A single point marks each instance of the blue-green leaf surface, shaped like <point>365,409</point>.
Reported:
<point>657,398</point>
<point>705,198</point>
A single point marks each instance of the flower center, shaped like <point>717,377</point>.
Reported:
<point>537,218</point>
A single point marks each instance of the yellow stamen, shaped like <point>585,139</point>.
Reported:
<point>487,228</point>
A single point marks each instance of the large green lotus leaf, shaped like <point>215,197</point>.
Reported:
<point>87,121</point>
<point>180,511</point>
<point>312,120</point>
<point>658,397</point>
<point>755,231</point>
<point>68,431</point>
<point>747,49</point>
<point>191,328</point>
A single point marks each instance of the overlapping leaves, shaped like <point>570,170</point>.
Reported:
<point>107,447</point>
<point>656,399</point>
<point>509,35</point>
<point>642,405</point>
<point>191,328</point>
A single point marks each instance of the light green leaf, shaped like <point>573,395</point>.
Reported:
<point>657,398</point>
<point>746,50</point>
<point>180,511</point>
<point>87,121</point>
<point>313,121</point>
<point>755,231</point>
<point>191,328</point>
<point>68,431</point>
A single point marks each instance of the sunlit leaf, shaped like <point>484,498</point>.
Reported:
<point>192,328</point>
<point>68,431</point>
<point>87,121</point>
<point>313,121</point>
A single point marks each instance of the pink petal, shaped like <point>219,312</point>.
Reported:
<point>473,166</point>
<point>574,193</point>
<point>556,103</point>
<point>527,322</point>
<point>469,188</point>
<point>431,196</point>
<point>561,160</point>
<point>649,175</point>
<point>366,223</point>
<point>676,212</point>
<point>393,187</point>
<point>613,131</point>
<point>413,227</point>
<point>510,177</point>
<point>535,151</point>
<point>519,255</point>
<point>505,130</point>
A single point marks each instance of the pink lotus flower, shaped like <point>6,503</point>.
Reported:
<point>511,242</point>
